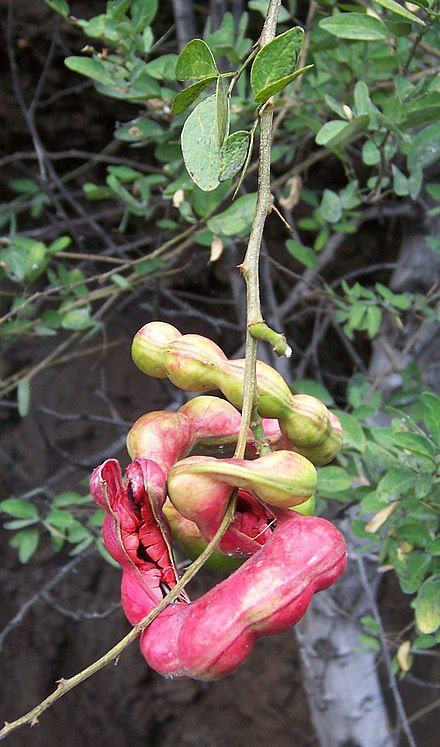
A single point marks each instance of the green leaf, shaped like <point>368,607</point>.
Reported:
<point>61,243</point>
<point>185,98</point>
<point>233,154</point>
<point>138,130</point>
<point>236,219</point>
<point>338,131</point>
<point>361,97</point>
<point>120,281</point>
<point>332,479</point>
<point>97,192</point>
<point>274,88</point>
<point>77,319</point>
<point>27,542</point>
<point>414,531</point>
<point>68,499</point>
<point>200,146</point>
<point>275,61</point>
<point>196,61</point>
<point>427,606</point>
<point>434,548</point>
<point>411,571</point>
<point>354,436</point>
<point>262,5</point>
<point>23,397</point>
<point>222,110</point>
<point>303,254</point>
<point>105,554</point>
<point>308,386</point>
<point>60,519</point>
<point>400,182</point>
<point>331,206</point>
<point>370,642</point>
<point>425,641</point>
<point>60,6</point>
<point>424,148</point>
<point>23,186</point>
<point>399,10</point>
<point>19,509</point>
<point>431,414</point>
<point>143,12</point>
<point>414,443</point>
<point>335,106</point>
<point>357,26</point>
<point>92,68</point>
<point>163,67</point>
<point>433,243</point>
<point>398,28</point>
<point>373,320</point>
<point>370,153</point>
<point>395,482</point>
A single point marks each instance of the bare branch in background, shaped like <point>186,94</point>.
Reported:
<point>185,21</point>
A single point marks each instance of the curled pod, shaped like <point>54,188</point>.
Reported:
<point>195,363</point>
<point>210,637</point>
<point>200,488</point>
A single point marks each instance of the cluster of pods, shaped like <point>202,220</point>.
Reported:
<point>278,556</point>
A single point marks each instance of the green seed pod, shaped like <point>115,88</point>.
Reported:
<point>192,363</point>
<point>274,393</point>
<point>307,508</point>
<point>307,421</point>
<point>148,347</point>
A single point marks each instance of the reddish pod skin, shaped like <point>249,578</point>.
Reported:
<point>205,421</point>
<point>165,437</point>
<point>210,637</point>
<point>200,488</point>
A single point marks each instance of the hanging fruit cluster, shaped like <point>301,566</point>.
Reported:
<point>279,556</point>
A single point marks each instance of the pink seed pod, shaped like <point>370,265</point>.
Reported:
<point>269,593</point>
<point>200,488</point>
<point>166,437</point>
<point>210,637</point>
<point>135,532</point>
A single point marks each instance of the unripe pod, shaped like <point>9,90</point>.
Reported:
<point>148,347</point>
<point>195,363</point>
<point>307,508</point>
<point>166,437</point>
<point>274,393</point>
<point>192,363</point>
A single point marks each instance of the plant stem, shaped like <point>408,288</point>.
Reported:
<point>250,265</point>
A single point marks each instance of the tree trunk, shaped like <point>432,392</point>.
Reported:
<point>185,21</point>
